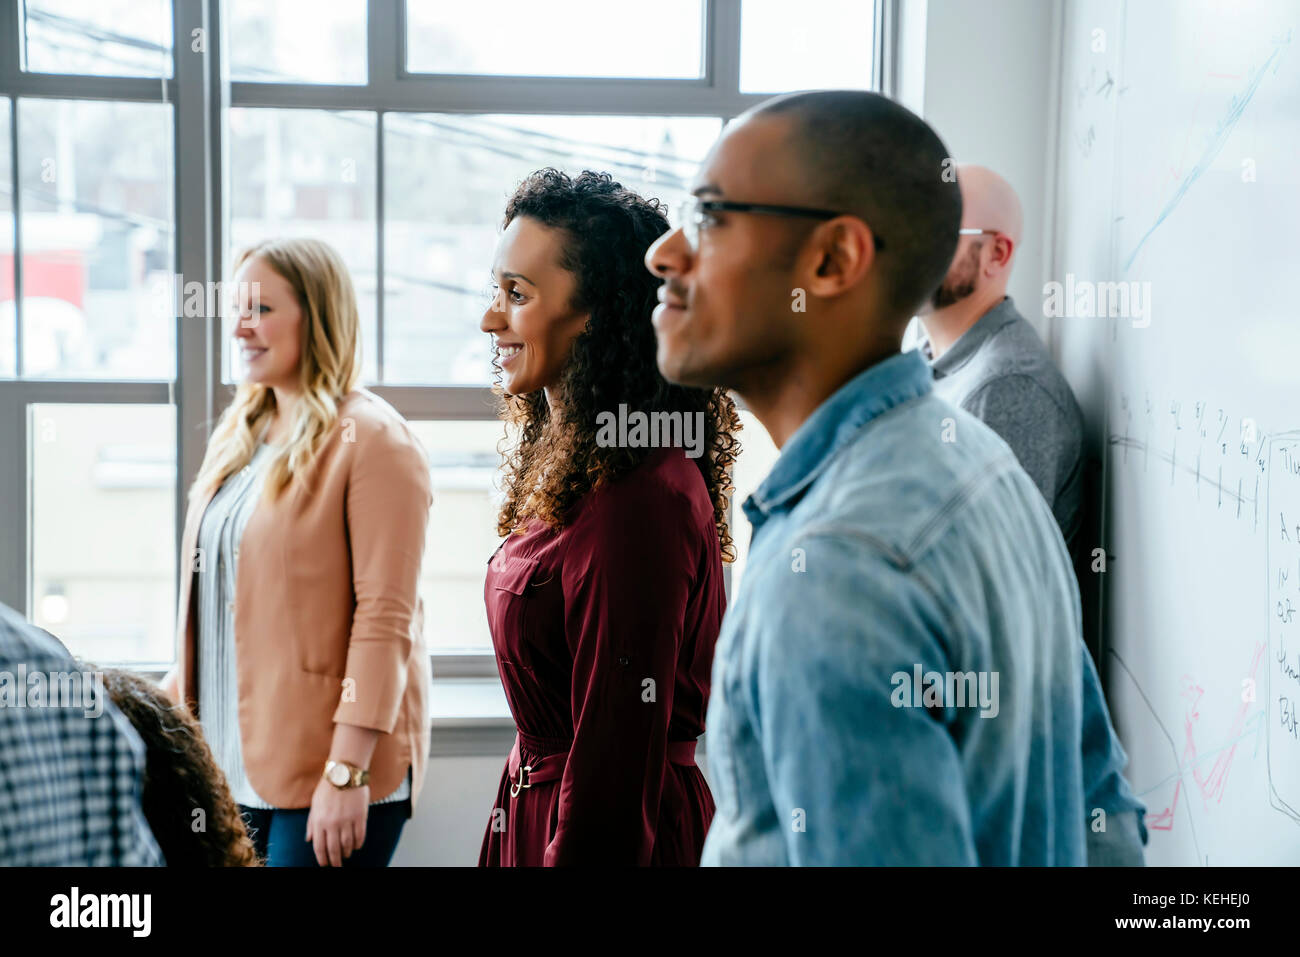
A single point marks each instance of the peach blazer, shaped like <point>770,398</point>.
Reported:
<point>328,624</point>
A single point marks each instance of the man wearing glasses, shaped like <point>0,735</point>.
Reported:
<point>900,677</point>
<point>989,361</point>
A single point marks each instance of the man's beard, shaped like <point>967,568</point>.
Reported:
<point>960,281</point>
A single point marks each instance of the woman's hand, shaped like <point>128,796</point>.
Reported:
<point>336,824</point>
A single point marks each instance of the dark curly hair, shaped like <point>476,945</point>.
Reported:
<point>556,459</point>
<point>180,776</point>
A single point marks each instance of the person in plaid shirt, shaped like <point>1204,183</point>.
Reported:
<point>69,781</point>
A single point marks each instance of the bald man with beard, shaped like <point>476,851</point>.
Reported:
<point>988,360</point>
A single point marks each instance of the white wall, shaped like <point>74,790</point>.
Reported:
<point>989,95</point>
<point>454,809</point>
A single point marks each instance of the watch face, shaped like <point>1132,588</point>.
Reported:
<point>339,775</point>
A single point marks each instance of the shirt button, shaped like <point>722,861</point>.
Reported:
<point>230,607</point>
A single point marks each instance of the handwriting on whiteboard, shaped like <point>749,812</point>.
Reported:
<point>1283,537</point>
<point>1222,455</point>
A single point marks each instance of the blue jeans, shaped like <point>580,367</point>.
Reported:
<point>280,836</point>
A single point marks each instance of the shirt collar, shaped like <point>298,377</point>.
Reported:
<point>835,423</point>
<point>972,339</point>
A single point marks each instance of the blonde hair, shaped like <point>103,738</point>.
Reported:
<point>328,369</point>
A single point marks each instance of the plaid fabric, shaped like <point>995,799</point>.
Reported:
<point>69,783</point>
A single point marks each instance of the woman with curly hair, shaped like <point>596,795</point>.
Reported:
<point>605,599</point>
<point>181,778</point>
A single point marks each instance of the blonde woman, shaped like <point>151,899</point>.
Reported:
<point>299,630</point>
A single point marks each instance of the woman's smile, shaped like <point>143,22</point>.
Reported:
<point>507,353</point>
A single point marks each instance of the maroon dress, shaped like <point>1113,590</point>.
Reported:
<point>604,634</point>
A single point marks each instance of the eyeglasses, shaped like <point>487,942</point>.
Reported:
<point>977,232</point>
<point>693,214</point>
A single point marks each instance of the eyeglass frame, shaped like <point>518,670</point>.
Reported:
<point>689,226</point>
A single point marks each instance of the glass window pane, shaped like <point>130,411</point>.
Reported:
<point>307,173</point>
<point>827,46</point>
<point>99,37</point>
<point>97,239</point>
<point>464,463</point>
<point>103,529</point>
<point>593,38</point>
<point>447,179</point>
<point>757,456</point>
<point>297,41</point>
<point>8,332</point>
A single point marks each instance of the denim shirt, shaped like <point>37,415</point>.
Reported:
<point>895,537</point>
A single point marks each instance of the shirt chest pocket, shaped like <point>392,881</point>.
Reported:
<point>511,573</point>
<point>510,602</point>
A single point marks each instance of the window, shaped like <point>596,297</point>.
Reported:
<point>297,41</point>
<point>827,45</point>
<point>98,37</point>
<point>758,454</point>
<point>589,38</point>
<point>103,552</point>
<point>96,233</point>
<point>465,469</point>
<point>311,173</point>
<point>395,132</point>
<point>8,314</point>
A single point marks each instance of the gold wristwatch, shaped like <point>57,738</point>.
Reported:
<point>344,776</point>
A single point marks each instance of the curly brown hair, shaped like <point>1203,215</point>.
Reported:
<point>554,460</point>
<point>180,776</point>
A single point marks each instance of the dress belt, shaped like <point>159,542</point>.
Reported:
<point>551,766</point>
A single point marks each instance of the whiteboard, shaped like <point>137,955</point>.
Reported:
<point>1178,175</point>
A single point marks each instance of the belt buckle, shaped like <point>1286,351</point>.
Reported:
<point>523,781</point>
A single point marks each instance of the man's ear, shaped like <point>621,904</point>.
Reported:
<point>842,250</point>
<point>1004,247</point>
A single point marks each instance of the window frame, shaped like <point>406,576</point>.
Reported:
<point>199,98</point>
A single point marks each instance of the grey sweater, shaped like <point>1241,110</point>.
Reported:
<point>1000,372</point>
